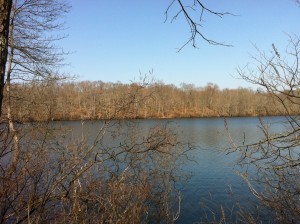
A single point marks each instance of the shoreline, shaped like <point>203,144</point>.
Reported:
<point>154,118</point>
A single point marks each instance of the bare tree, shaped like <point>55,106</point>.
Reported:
<point>28,40</point>
<point>5,10</point>
<point>32,54</point>
<point>276,157</point>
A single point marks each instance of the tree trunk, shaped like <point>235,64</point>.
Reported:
<point>5,8</point>
<point>12,129</point>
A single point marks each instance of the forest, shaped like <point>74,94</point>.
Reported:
<point>87,100</point>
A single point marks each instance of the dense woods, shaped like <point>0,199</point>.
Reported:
<point>98,100</point>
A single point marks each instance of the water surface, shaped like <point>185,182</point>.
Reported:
<point>213,174</point>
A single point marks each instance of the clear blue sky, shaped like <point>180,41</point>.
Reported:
<point>115,40</point>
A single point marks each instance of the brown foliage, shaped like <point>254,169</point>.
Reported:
<point>98,100</point>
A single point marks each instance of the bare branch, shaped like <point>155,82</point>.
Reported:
<point>194,24</point>
<point>275,158</point>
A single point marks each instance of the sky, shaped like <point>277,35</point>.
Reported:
<point>117,40</point>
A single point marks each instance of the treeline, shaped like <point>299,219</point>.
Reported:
<point>98,100</point>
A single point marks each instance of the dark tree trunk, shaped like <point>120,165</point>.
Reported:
<point>5,8</point>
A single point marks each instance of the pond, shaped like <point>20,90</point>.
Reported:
<point>213,180</point>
